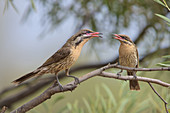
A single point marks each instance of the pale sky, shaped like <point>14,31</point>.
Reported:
<point>21,49</point>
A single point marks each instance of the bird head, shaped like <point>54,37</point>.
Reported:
<point>124,39</point>
<point>81,37</point>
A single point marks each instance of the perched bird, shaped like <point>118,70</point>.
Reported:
<point>128,56</point>
<point>64,58</point>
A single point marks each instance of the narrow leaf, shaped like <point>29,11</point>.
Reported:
<point>33,5</point>
<point>58,99</point>
<point>45,106</point>
<point>110,95</point>
<point>166,56</point>
<point>14,6</point>
<point>6,6</point>
<point>160,2</point>
<point>122,106</point>
<point>69,106</point>
<point>166,64</point>
<point>87,105</point>
<point>163,17</point>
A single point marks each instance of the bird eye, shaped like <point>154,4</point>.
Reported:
<point>123,37</point>
<point>88,32</point>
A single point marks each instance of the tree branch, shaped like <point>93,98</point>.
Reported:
<point>71,86</point>
<point>8,101</point>
<point>24,93</point>
<point>159,97</point>
<point>139,69</point>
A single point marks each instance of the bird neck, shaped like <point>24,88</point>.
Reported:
<point>127,43</point>
<point>127,48</point>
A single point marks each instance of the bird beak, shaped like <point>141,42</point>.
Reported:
<point>118,37</point>
<point>95,34</point>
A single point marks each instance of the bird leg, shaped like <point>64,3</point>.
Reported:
<point>134,75</point>
<point>75,78</point>
<point>58,83</point>
<point>119,73</point>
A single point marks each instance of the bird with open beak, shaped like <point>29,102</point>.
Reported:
<point>64,58</point>
<point>128,56</point>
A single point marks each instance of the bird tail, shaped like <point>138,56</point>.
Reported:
<point>25,77</point>
<point>133,84</point>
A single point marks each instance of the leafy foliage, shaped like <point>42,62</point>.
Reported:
<point>166,63</point>
<point>125,102</point>
<point>161,16</point>
<point>7,5</point>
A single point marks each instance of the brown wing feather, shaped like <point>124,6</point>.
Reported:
<point>59,55</point>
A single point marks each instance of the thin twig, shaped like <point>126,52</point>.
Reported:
<point>144,79</point>
<point>159,97</point>
<point>139,69</point>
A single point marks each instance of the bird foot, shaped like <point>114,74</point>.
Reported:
<point>75,78</point>
<point>58,84</point>
<point>118,75</point>
<point>61,87</point>
<point>135,76</point>
<point>77,81</point>
<point>116,64</point>
<point>72,86</point>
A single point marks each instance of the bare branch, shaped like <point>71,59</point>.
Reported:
<point>139,69</point>
<point>144,79</point>
<point>24,93</point>
<point>71,86</point>
<point>8,101</point>
<point>159,97</point>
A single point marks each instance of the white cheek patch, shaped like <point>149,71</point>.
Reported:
<point>85,36</point>
<point>78,39</point>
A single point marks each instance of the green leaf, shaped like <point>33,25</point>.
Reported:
<point>110,95</point>
<point>75,106</point>
<point>63,110</point>
<point>96,103</point>
<point>168,24</point>
<point>163,17</point>
<point>143,106</point>
<point>6,6</point>
<point>165,64</point>
<point>45,106</point>
<point>33,5</point>
<point>87,105</point>
<point>58,98</point>
<point>160,2</point>
<point>104,106</point>
<point>11,1</point>
<point>122,106</point>
<point>166,56</point>
<point>69,106</point>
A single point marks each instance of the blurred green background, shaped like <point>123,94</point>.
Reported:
<point>31,31</point>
